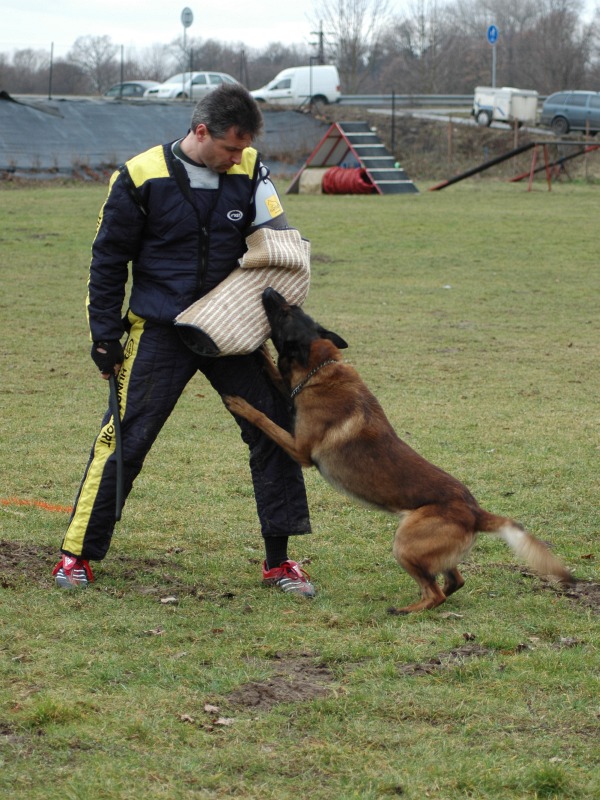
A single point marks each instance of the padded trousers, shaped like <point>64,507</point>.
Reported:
<point>156,369</point>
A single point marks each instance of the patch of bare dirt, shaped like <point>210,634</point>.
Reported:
<point>587,594</point>
<point>295,679</point>
<point>149,576</point>
<point>459,655</point>
<point>443,661</point>
<point>18,559</point>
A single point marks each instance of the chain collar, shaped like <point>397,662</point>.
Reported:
<point>314,371</point>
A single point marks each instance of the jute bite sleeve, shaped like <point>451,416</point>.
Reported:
<point>230,319</point>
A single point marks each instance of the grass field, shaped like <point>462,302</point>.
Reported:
<point>472,314</point>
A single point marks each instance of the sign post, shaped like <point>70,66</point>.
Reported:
<point>492,37</point>
<point>187,17</point>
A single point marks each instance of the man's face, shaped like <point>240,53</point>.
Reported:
<point>223,153</point>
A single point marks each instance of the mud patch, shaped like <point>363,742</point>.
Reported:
<point>443,661</point>
<point>295,679</point>
<point>153,577</point>
<point>587,594</point>
<point>18,560</point>
<point>149,576</point>
<point>459,655</point>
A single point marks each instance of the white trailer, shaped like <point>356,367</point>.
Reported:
<point>504,105</point>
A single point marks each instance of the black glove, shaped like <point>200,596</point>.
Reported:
<point>106,361</point>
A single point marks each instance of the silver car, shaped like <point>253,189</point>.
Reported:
<point>189,85</point>
<point>572,111</point>
<point>130,89</point>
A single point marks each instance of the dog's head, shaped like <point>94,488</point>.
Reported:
<point>293,332</point>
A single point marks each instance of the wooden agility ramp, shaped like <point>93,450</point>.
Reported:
<point>353,145</point>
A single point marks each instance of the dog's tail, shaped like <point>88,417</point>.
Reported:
<point>535,553</point>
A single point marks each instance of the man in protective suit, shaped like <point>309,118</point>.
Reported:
<point>181,214</point>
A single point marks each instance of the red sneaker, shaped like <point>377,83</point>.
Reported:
<point>290,578</point>
<point>73,573</point>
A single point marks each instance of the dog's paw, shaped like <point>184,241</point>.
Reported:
<point>237,405</point>
<point>398,612</point>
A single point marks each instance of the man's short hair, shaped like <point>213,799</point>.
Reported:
<point>229,105</point>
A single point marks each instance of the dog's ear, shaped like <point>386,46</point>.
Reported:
<point>333,337</point>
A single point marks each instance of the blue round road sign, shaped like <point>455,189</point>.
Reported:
<point>492,34</point>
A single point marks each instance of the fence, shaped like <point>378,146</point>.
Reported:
<point>411,100</point>
<point>460,101</point>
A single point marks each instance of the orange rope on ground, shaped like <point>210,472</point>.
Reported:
<point>19,501</point>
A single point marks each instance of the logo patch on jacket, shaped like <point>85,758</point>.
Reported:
<point>273,206</point>
<point>235,215</point>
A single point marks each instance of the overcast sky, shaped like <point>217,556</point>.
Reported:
<point>40,23</point>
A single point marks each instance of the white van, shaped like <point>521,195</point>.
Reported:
<point>297,86</point>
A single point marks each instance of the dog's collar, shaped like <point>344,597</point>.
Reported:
<point>314,371</point>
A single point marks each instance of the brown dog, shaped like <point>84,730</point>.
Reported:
<point>341,429</point>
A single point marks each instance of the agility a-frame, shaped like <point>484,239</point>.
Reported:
<point>355,145</point>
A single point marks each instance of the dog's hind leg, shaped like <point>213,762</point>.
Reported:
<point>427,544</point>
<point>411,550</point>
<point>431,594</point>
<point>453,581</point>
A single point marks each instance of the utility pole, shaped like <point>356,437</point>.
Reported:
<point>320,43</point>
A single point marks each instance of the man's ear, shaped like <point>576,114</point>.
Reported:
<point>201,131</point>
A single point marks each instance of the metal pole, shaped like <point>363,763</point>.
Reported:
<point>50,74</point>
<point>116,415</point>
<point>393,122</point>
<point>184,64</point>
<point>494,65</point>
<point>122,73</point>
<point>187,18</point>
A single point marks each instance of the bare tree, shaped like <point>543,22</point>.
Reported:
<point>594,67</point>
<point>27,65</point>
<point>355,27</point>
<point>96,55</point>
<point>263,65</point>
<point>435,47</point>
<point>416,45</point>
<point>562,46</point>
<point>68,78</point>
<point>543,44</point>
<point>154,63</point>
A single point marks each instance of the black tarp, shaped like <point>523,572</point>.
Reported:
<point>62,135</point>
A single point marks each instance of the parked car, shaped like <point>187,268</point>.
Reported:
<point>130,88</point>
<point>296,86</point>
<point>188,85</point>
<point>572,111</point>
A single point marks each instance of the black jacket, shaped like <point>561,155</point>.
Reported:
<point>181,242</point>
